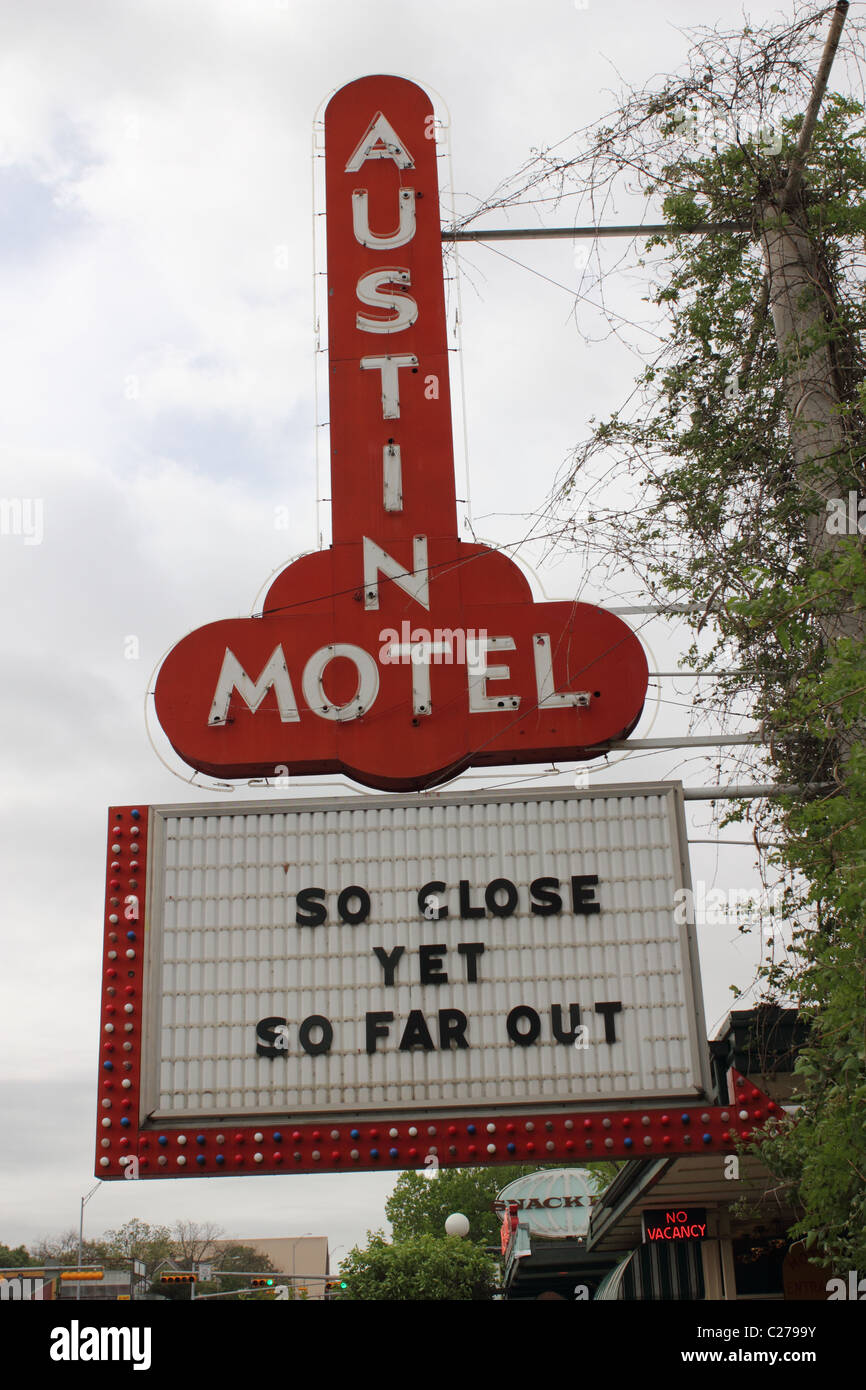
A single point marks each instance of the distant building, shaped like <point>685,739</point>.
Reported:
<point>303,1259</point>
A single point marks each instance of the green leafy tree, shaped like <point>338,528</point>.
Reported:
<point>420,1204</point>
<point>63,1250</point>
<point>709,483</point>
<point>16,1258</point>
<point>422,1269</point>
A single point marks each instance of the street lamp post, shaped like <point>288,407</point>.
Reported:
<point>84,1202</point>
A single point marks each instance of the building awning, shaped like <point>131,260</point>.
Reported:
<point>651,1272</point>
<point>610,1287</point>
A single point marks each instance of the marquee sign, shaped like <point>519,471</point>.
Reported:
<point>399,656</point>
<point>400,983</point>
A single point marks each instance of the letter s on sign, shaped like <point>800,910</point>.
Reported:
<point>271,1037</point>
<point>371,291</point>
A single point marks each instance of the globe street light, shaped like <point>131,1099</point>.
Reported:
<point>457,1224</point>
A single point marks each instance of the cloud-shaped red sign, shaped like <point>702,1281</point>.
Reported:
<point>399,656</point>
<point>321,683</point>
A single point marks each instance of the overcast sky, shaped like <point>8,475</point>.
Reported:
<point>158,372</point>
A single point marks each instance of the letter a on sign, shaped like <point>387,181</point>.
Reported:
<point>380,141</point>
<point>305,685</point>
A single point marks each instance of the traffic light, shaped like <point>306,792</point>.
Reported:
<point>177,1278</point>
<point>77,1274</point>
<point>261,1283</point>
<point>335,1285</point>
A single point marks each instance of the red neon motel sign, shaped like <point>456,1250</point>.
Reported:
<point>399,656</point>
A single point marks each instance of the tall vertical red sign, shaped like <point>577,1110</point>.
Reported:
<point>392,463</point>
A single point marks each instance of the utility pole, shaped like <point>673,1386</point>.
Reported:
<point>798,304</point>
<point>799,299</point>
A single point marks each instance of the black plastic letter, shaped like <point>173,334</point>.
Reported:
<point>523,1039</point>
<point>310,900</point>
<point>377,1027</point>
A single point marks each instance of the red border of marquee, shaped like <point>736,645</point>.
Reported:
<point>367,1142</point>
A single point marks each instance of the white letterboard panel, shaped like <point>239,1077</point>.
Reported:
<point>226,952</point>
